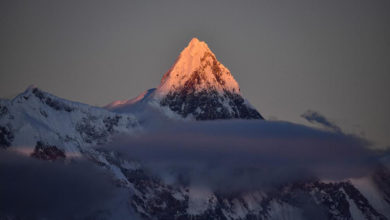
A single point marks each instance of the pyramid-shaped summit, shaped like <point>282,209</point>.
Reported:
<point>197,69</point>
<point>198,85</point>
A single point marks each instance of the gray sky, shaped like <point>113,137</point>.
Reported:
<point>287,56</point>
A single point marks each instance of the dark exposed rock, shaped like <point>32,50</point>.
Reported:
<point>90,133</point>
<point>47,152</point>
<point>111,122</point>
<point>3,111</point>
<point>55,104</point>
<point>209,105</point>
<point>361,202</point>
<point>6,137</point>
<point>381,178</point>
<point>43,113</point>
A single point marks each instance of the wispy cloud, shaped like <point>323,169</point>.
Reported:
<point>316,117</point>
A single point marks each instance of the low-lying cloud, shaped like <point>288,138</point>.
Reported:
<point>244,155</point>
<point>35,189</point>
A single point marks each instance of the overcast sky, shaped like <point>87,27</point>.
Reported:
<point>287,56</point>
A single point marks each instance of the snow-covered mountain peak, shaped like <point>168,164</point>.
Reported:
<point>31,87</point>
<point>197,86</point>
<point>194,49</point>
<point>37,116</point>
<point>35,96</point>
<point>29,90</point>
<point>195,45</point>
<point>195,70</point>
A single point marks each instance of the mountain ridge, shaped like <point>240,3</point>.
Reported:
<point>45,127</point>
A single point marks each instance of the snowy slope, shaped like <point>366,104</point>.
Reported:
<point>47,127</point>
<point>35,116</point>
